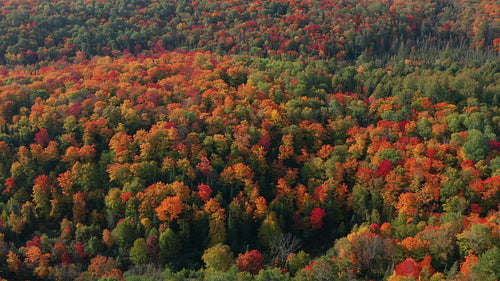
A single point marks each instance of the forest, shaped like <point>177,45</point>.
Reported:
<point>249,140</point>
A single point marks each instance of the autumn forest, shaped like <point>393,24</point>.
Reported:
<point>249,140</point>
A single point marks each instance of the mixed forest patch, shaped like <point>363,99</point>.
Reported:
<point>271,140</point>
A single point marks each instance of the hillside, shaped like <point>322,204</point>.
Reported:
<point>272,140</point>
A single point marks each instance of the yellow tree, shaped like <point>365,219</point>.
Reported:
<point>218,258</point>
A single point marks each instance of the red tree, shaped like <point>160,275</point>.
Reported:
<point>42,137</point>
<point>384,167</point>
<point>252,262</point>
<point>204,191</point>
<point>79,250</point>
<point>316,218</point>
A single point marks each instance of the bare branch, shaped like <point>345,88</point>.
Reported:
<point>283,246</point>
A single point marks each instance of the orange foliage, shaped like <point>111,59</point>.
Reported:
<point>212,207</point>
<point>406,204</point>
<point>410,268</point>
<point>415,247</point>
<point>260,207</point>
<point>13,261</point>
<point>107,238</point>
<point>102,266</point>
<point>169,209</point>
<point>286,149</point>
<point>487,188</point>
<point>466,266</point>
<point>79,207</point>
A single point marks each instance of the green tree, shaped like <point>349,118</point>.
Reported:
<point>124,234</point>
<point>424,128</point>
<point>170,246</point>
<point>488,267</point>
<point>295,262</point>
<point>269,230</point>
<point>478,239</point>
<point>272,274</point>
<point>455,122</point>
<point>476,147</point>
<point>93,247</point>
<point>139,253</point>
<point>453,184</point>
<point>218,258</point>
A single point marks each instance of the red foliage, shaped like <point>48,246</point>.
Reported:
<point>408,268</point>
<point>42,138</point>
<point>169,125</point>
<point>10,183</point>
<point>495,145</point>
<point>316,218</point>
<point>79,250</point>
<point>153,246</point>
<point>431,153</point>
<point>340,98</point>
<point>204,191</point>
<point>467,164</point>
<point>66,232</point>
<point>204,166</point>
<point>60,251</point>
<point>309,268</point>
<point>176,108</point>
<point>65,258</point>
<point>425,265</point>
<point>364,173</point>
<point>402,142</point>
<point>386,230</point>
<point>476,209</point>
<point>252,262</point>
<point>74,110</point>
<point>42,181</point>
<point>320,193</point>
<point>126,196</point>
<point>265,142</point>
<point>384,167</point>
<point>36,242</point>
<point>402,125</point>
<point>374,227</point>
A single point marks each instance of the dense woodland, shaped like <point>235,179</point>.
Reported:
<point>249,140</point>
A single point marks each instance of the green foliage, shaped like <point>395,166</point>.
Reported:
<point>273,274</point>
<point>124,234</point>
<point>139,253</point>
<point>99,117</point>
<point>94,246</point>
<point>495,165</point>
<point>488,267</point>
<point>218,258</point>
<point>402,229</point>
<point>453,185</point>
<point>390,154</point>
<point>476,147</point>
<point>269,230</point>
<point>424,128</point>
<point>295,262</point>
<point>231,274</point>
<point>170,246</point>
<point>477,239</point>
<point>85,232</point>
